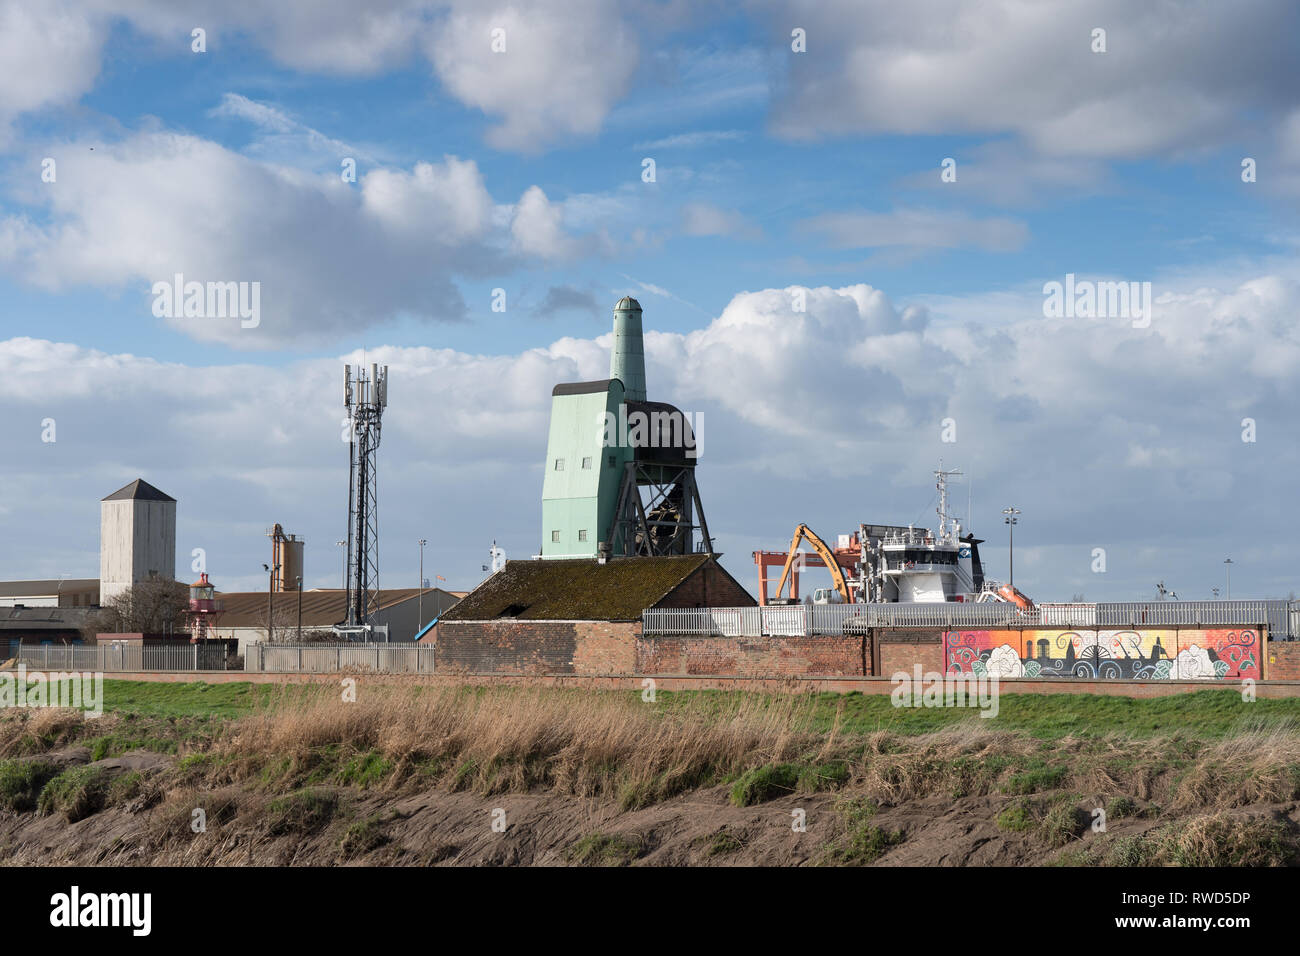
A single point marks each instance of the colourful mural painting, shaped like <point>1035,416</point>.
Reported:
<point>1150,653</point>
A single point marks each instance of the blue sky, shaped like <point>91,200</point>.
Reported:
<point>775,169</point>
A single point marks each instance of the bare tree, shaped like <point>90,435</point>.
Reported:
<point>284,624</point>
<point>156,606</point>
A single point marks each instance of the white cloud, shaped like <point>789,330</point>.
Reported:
<point>832,416</point>
<point>558,77</point>
<point>50,52</point>
<point>561,73</point>
<point>1172,77</point>
<point>141,210</point>
<point>541,228</point>
<point>448,198</point>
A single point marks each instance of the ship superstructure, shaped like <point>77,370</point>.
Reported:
<point>912,565</point>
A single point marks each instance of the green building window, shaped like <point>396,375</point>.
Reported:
<point>582,535</point>
<point>586,463</point>
<point>559,464</point>
<point>555,537</point>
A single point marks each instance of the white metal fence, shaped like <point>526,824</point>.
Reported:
<point>335,658</point>
<point>125,657</point>
<point>802,620</point>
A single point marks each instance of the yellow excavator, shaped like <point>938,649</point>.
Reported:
<point>837,573</point>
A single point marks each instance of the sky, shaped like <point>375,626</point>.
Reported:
<point>843,220</point>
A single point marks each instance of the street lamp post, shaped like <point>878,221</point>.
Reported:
<point>344,544</point>
<point>420,602</point>
<point>1010,522</point>
<point>1227,565</point>
<point>300,609</point>
<point>270,607</point>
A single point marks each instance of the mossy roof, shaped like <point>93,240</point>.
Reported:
<point>576,589</point>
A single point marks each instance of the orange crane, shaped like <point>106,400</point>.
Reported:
<point>837,573</point>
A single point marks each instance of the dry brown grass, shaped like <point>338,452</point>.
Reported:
<point>616,753</point>
<point>37,730</point>
<point>1256,766</point>
<point>1223,840</point>
<point>495,740</point>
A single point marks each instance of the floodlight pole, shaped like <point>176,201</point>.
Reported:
<point>1010,522</point>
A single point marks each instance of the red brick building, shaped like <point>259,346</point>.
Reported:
<point>574,616</point>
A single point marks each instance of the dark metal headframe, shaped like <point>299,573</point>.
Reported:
<point>657,510</point>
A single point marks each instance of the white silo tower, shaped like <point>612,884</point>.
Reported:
<point>137,538</point>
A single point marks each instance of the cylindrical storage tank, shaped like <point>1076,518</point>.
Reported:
<point>291,563</point>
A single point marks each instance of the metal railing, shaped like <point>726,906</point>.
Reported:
<point>125,657</point>
<point>337,658</point>
<point>1193,613</point>
<point>803,620</point>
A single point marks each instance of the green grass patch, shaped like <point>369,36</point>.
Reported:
<point>1207,714</point>
<point>601,849</point>
<point>1120,807</point>
<point>766,783</point>
<point>302,812</point>
<point>166,699</point>
<point>126,786</point>
<point>723,843</point>
<point>826,776</point>
<point>1063,821</point>
<point>1016,816</point>
<point>362,836</point>
<point>21,782</point>
<point>77,793</point>
<point>365,770</point>
<point>1036,779</point>
<point>114,745</point>
<point>864,842</point>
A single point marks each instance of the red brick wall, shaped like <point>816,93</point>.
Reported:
<point>754,656</point>
<point>901,649</point>
<point>710,586</point>
<point>536,647</point>
<point>1282,660</point>
<point>605,647</point>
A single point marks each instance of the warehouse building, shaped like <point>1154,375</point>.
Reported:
<point>245,614</point>
<point>64,592</point>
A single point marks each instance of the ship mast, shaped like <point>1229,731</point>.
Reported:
<point>941,482</point>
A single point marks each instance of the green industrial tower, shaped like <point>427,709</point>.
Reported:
<point>620,470</point>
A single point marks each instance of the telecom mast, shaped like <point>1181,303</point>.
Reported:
<point>366,397</point>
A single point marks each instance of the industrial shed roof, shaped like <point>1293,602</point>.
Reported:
<point>322,608</point>
<point>45,588</point>
<point>42,618</point>
<point>576,589</point>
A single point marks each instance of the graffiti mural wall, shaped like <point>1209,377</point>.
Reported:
<point>1150,653</point>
